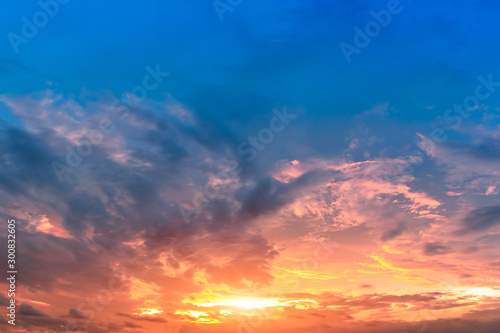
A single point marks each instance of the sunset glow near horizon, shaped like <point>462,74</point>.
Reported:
<point>251,167</point>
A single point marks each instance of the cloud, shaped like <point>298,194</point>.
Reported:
<point>85,209</point>
<point>28,310</point>
<point>142,318</point>
<point>486,149</point>
<point>251,264</point>
<point>393,233</point>
<point>379,110</point>
<point>470,163</point>
<point>481,219</point>
<point>269,195</point>
<point>132,325</point>
<point>432,249</point>
<point>75,313</point>
<point>4,300</point>
<point>119,210</point>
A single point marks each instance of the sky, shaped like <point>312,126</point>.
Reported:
<point>251,166</point>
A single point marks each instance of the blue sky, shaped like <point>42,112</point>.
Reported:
<point>261,54</point>
<point>266,49</point>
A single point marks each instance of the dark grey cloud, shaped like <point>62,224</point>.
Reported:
<point>268,194</point>
<point>470,249</point>
<point>394,232</point>
<point>130,324</point>
<point>487,149</point>
<point>84,210</point>
<point>75,313</point>
<point>481,219</point>
<point>4,300</point>
<point>20,151</point>
<point>68,258</point>
<point>142,318</point>
<point>48,323</point>
<point>27,310</point>
<point>432,249</point>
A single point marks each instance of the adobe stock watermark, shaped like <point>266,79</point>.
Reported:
<point>372,29</point>
<point>321,253</point>
<point>30,28</point>
<point>453,117</point>
<point>129,101</point>
<point>254,145</point>
<point>221,7</point>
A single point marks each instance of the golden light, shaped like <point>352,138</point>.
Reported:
<point>257,303</point>
<point>191,313</point>
<point>220,307</point>
<point>483,291</point>
<point>198,317</point>
<point>302,304</point>
<point>247,303</point>
<point>143,290</point>
<point>151,311</point>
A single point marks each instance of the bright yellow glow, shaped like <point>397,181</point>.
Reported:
<point>385,264</point>
<point>151,311</point>
<point>305,274</point>
<point>244,303</point>
<point>195,314</point>
<point>361,271</point>
<point>388,249</point>
<point>239,306</point>
<point>414,279</point>
<point>256,303</point>
<point>483,291</point>
<point>143,290</point>
<point>197,317</point>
